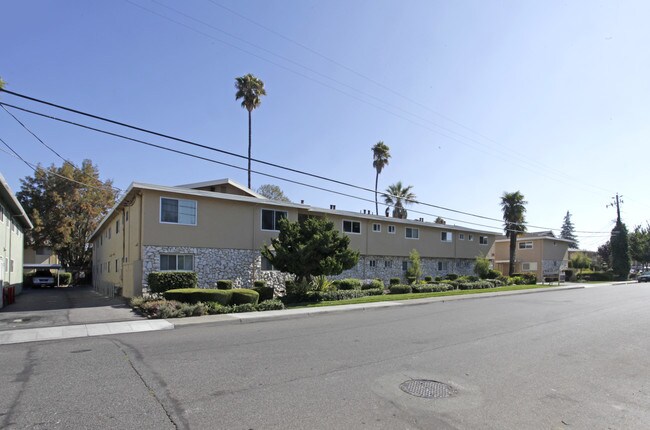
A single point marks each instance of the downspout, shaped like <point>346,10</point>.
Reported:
<point>123,248</point>
<point>366,259</point>
<point>11,220</point>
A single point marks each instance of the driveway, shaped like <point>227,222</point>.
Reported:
<point>62,306</point>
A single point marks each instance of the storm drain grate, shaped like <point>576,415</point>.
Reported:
<point>427,389</point>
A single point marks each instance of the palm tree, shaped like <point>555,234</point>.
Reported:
<point>397,196</point>
<point>250,89</point>
<point>380,156</point>
<point>514,209</point>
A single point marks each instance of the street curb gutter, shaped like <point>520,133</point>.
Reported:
<point>252,317</point>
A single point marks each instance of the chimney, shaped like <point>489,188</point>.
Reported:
<point>333,207</point>
<point>302,202</point>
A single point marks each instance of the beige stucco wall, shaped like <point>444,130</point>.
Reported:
<point>32,256</point>
<point>12,237</point>
<point>544,249</point>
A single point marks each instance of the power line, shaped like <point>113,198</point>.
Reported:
<point>244,157</point>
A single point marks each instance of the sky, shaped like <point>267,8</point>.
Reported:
<point>474,99</point>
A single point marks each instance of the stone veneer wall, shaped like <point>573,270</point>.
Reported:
<point>243,266</point>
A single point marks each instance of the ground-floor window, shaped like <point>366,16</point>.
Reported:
<point>266,264</point>
<point>183,262</point>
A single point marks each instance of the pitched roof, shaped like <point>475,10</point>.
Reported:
<point>224,181</point>
<point>15,207</point>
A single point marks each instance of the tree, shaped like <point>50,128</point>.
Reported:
<point>249,89</point>
<point>568,231</point>
<point>414,269</point>
<point>605,253</point>
<point>65,205</point>
<point>272,192</point>
<point>2,83</point>
<point>640,245</point>
<point>580,261</point>
<point>397,196</point>
<point>482,267</point>
<point>440,220</point>
<point>310,248</point>
<point>514,218</point>
<point>380,156</point>
<point>620,250</point>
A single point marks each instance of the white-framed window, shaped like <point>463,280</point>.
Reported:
<point>443,265</point>
<point>271,219</point>
<point>470,237</point>
<point>412,233</point>
<point>372,263</point>
<point>109,232</point>
<point>177,211</point>
<point>108,267</point>
<point>352,227</point>
<point>117,227</point>
<point>461,236</point>
<point>126,216</point>
<point>177,262</point>
<point>266,265</point>
<point>529,267</point>
<point>101,239</point>
<point>446,236</point>
<point>376,228</point>
<point>483,240</point>
<point>391,229</point>
<point>116,265</point>
<point>405,265</point>
<point>526,245</point>
<point>388,263</point>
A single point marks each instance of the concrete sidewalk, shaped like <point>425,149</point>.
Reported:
<point>71,331</point>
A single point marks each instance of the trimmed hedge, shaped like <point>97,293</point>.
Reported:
<point>411,279</point>
<point>259,284</point>
<point>598,276</point>
<point>159,282</point>
<point>400,289</point>
<point>270,305</point>
<point>394,281</point>
<point>428,279</point>
<point>241,296</point>
<point>195,295</point>
<point>328,296</point>
<point>430,288</point>
<point>348,284</point>
<point>373,285</point>
<point>266,293</point>
<point>451,276</point>
<point>65,278</point>
<point>224,284</point>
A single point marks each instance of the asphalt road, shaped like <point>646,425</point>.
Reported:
<point>575,359</point>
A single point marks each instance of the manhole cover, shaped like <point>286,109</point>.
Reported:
<point>427,389</point>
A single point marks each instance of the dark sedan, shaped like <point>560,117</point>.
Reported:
<point>644,277</point>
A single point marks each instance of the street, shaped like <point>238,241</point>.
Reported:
<point>574,359</point>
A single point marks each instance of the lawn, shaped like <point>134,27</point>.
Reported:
<point>396,297</point>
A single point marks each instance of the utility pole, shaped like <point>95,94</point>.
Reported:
<point>616,202</point>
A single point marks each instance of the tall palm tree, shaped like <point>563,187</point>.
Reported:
<point>514,210</point>
<point>380,156</point>
<point>397,196</point>
<point>249,89</point>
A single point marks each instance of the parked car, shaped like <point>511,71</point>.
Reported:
<point>43,278</point>
<point>644,277</point>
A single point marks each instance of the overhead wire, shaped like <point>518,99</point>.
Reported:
<point>244,157</point>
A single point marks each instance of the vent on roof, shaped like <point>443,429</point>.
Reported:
<point>333,207</point>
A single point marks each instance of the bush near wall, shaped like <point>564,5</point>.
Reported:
<point>195,295</point>
<point>65,278</point>
<point>348,284</point>
<point>429,288</point>
<point>224,284</point>
<point>526,278</point>
<point>265,293</point>
<point>598,276</point>
<point>400,289</point>
<point>327,296</point>
<point>241,296</point>
<point>394,281</point>
<point>159,282</point>
<point>373,285</point>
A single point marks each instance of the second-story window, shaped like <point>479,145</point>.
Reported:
<point>483,240</point>
<point>352,227</point>
<point>178,211</point>
<point>376,228</point>
<point>271,219</point>
<point>525,245</point>
<point>446,236</point>
<point>412,233</point>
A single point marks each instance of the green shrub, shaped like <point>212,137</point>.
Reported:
<point>65,278</point>
<point>328,296</point>
<point>321,283</point>
<point>296,291</point>
<point>451,277</point>
<point>270,305</point>
<point>428,279</point>
<point>217,309</point>
<point>437,279</point>
<point>492,274</point>
<point>599,276</point>
<point>400,289</point>
<point>195,295</point>
<point>394,281</point>
<point>430,288</point>
<point>259,284</point>
<point>224,284</point>
<point>349,284</point>
<point>373,285</point>
<point>477,285</point>
<point>241,296</point>
<point>517,280</point>
<point>411,279</point>
<point>159,282</point>
<point>266,293</point>
<point>171,309</point>
<point>244,307</point>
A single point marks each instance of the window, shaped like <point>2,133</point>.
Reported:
<point>11,266</point>
<point>352,227</point>
<point>126,216</point>
<point>266,264</point>
<point>184,262</point>
<point>116,265</point>
<point>372,263</point>
<point>461,236</point>
<point>117,226</point>
<point>483,240</point>
<point>271,219</point>
<point>2,216</point>
<point>405,265</point>
<point>446,236</point>
<point>443,265</point>
<point>388,263</point>
<point>529,267</point>
<point>412,233</point>
<point>470,237</point>
<point>525,245</point>
<point>42,250</point>
<point>376,228</point>
<point>109,232</point>
<point>178,211</point>
<point>108,267</point>
<point>391,229</point>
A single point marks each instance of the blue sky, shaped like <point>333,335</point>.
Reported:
<point>474,98</point>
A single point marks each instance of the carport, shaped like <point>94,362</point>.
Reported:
<point>56,267</point>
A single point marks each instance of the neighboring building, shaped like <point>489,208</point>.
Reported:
<point>13,223</point>
<point>540,253</point>
<point>40,255</point>
<point>217,229</point>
